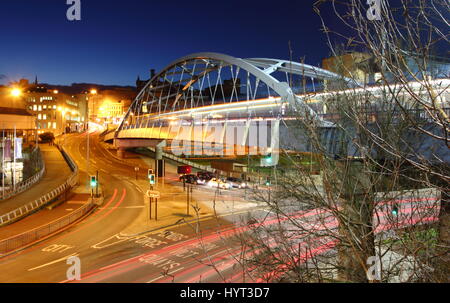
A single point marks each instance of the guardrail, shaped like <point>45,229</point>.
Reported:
<point>43,200</point>
<point>20,240</point>
<point>187,162</point>
<point>24,185</point>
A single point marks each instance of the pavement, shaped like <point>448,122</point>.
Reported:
<point>44,216</point>
<point>56,172</point>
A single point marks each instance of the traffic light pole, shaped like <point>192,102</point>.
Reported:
<point>96,187</point>
<point>187,201</point>
<point>150,207</point>
<point>156,209</point>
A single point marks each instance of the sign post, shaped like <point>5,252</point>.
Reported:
<point>153,194</point>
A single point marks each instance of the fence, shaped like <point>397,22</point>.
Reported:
<point>43,200</point>
<point>24,185</point>
<point>33,235</point>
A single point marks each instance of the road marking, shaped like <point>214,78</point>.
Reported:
<point>57,248</point>
<point>77,202</point>
<point>124,207</point>
<point>53,262</point>
<point>169,273</point>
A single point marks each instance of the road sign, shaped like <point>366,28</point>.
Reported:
<point>153,194</point>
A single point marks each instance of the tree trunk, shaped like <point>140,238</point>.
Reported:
<point>442,264</point>
<point>355,224</point>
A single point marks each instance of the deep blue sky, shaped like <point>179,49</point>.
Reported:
<point>117,40</point>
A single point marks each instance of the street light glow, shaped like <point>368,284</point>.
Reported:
<point>93,91</point>
<point>16,92</point>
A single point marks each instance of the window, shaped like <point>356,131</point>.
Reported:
<point>39,116</point>
<point>44,117</point>
<point>39,107</point>
<point>54,125</point>
<point>35,107</point>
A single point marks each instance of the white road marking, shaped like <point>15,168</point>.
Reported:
<point>124,207</point>
<point>169,273</point>
<point>53,262</point>
<point>139,189</point>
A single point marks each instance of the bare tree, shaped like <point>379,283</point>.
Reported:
<point>376,183</point>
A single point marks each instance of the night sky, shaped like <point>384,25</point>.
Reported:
<point>118,40</point>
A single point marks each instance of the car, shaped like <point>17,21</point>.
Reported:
<point>204,177</point>
<point>236,182</point>
<point>184,169</point>
<point>191,179</point>
<point>2,178</point>
<point>218,183</point>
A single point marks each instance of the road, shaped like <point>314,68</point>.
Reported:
<point>91,239</point>
<point>201,251</point>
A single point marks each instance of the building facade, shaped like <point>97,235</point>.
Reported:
<point>55,112</point>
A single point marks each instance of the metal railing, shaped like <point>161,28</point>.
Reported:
<point>20,240</point>
<point>24,185</point>
<point>25,210</point>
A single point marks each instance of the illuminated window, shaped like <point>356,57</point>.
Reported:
<point>49,125</point>
<point>44,117</point>
<point>39,108</point>
<point>35,107</point>
<point>45,106</point>
<point>54,125</point>
<point>39,116</point>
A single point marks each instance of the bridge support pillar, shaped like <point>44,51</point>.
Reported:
<point>159,161</point>
<point>121,152</point>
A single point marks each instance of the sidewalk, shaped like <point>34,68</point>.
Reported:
<point>43,217</point>
<point>56,173</point>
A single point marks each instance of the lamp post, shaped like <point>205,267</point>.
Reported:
<point>93,92</point>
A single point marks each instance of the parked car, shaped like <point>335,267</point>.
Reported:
<point>215,182</point>
<point>191,179</point>
<point>236,182</point>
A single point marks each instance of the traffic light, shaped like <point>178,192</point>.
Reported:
<point>151,179</point>
<point>150,172</point>
<point>93,181</point>
<point>268,159</point>
<point>395,210</point>
<point>268,182</point>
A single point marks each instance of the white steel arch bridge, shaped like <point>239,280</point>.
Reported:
<point>214,88</point>
<point>200,92</point>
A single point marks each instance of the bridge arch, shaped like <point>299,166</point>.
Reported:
<point>205,79</point>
